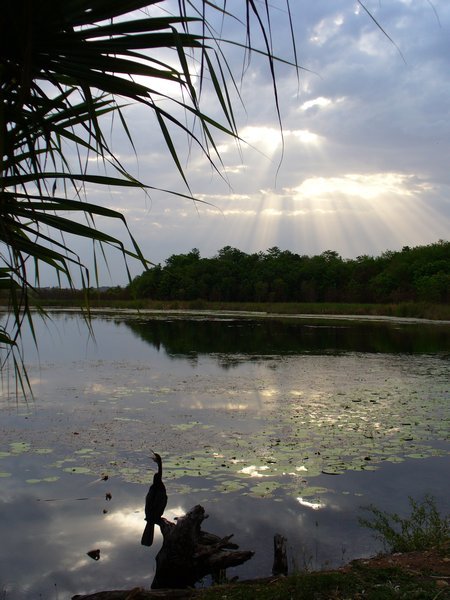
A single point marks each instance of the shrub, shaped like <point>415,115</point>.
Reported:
<point>424,528</point>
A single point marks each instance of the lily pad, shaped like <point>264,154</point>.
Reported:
<point>313,491</point>
<point>230,486</point>
<point>265,488</point>
<point>20,447</point>
<point>80,470</point>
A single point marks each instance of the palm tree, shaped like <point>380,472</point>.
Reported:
<point>67,70</point>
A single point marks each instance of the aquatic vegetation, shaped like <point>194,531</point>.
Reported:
<point>311,416</point>
<point>253,423</point>
<point>276,443</point>
<point>43,479</point>
<point>83,470</point>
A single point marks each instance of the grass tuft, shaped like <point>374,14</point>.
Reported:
<point>424,528</point>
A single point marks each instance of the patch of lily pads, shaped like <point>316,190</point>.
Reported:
<point>325,440</point>
<point>298,435</point>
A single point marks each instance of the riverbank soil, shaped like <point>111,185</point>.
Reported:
<point>421,575</point>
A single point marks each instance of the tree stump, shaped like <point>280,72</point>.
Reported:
<point>188,554</point>
<point>280,563</point>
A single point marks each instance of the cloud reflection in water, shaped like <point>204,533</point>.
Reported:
<point>243,441</point>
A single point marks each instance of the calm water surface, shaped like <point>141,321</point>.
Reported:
<point>274,425</point>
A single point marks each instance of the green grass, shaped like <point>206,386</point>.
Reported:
<point>359,583</point>
<point>423,528</point>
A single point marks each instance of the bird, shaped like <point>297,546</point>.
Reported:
<point>155,503</point>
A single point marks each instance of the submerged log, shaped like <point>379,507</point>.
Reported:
<point>188,554</point>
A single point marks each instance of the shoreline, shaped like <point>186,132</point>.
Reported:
<point>404,312</point>
<point>243,314</point>
<point>418,574</point>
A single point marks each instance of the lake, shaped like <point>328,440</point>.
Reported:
<point>274,425</point>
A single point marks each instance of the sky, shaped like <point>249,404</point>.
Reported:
<point>363,162</point>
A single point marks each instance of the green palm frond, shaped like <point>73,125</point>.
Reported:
<point>65,69</point>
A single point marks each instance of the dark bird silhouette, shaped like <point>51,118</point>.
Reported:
<point>155,503</point>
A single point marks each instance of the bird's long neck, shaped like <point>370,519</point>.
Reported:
<point>158,475</point>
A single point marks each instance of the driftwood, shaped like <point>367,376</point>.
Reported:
<point>188,554</point>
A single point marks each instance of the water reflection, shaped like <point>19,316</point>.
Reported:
<point>45,544</point>
<point>252,444</point>
<point>44,547</point>
<point>229,337</point>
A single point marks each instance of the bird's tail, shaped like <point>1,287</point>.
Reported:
<point>147,536</point>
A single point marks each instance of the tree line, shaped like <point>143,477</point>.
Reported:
<point>421,273</point>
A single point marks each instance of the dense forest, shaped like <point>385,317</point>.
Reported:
<point>421,273</point>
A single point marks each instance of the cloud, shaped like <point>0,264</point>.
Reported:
<point>316,102</point>
<point>363,186</point>
<point>362,164</point>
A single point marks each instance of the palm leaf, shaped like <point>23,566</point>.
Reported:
<point>64,67</point>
